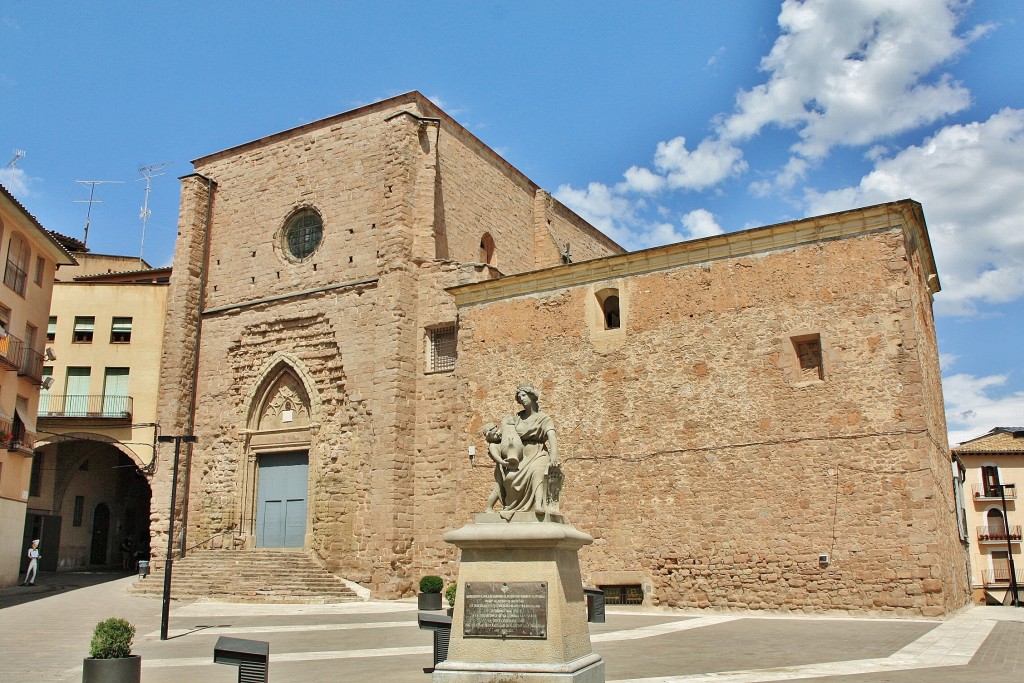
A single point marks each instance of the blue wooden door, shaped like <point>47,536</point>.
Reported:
<point>282,495</point>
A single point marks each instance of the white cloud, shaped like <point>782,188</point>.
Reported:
<point>850,73</point>
<point>973,407</point>
<point>15,180</point>
<point>701,223</point>
<point>617,216</point>
<point>970,179</point>
<point>679,168</point>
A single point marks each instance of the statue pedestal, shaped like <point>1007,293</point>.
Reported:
<point>520,613</point>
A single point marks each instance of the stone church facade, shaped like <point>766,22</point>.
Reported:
<point>354,298</point>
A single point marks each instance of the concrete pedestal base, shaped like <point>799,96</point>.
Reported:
<point>592,671</point>
<point>525,548</point>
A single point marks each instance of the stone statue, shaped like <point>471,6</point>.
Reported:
<point>525,452</point>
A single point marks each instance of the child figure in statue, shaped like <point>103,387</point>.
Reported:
<point>506,450</point>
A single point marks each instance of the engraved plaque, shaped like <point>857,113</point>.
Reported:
<point>510,609</point>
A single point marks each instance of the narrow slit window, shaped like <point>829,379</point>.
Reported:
<point>51,329</point>
<point>443,348</point>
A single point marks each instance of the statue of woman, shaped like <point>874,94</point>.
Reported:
<point>523,487</point>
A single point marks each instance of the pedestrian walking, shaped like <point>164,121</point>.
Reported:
<point>33,564</point>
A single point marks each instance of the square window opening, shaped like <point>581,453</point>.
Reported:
<point>809,358</point>
<point>121,331</point>
<point>84,327</point>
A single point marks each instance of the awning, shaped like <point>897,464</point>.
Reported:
<point>27,418</point>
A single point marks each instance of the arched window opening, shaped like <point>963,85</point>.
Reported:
<point>487,253</point>
<point>995,528</point>
<point>610,307</point>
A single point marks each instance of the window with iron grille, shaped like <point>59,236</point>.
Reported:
<point>121,331</point>
<point>630,594</point>
<point>84,326</point>
<point>303,233</point>
<point>442,348</point>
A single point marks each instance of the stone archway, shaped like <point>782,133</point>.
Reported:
<point>90,475</point>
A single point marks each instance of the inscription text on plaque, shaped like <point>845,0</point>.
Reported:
<point>506,609</point>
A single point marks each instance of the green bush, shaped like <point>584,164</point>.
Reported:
<point>431,584</point>
<point>449,594</point>
<point>112,639</point>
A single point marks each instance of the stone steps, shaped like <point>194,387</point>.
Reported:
<point>268,576</point>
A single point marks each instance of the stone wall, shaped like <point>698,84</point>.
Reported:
<point>698,456</point>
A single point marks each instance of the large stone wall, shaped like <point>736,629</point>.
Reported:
<point>701,461</point>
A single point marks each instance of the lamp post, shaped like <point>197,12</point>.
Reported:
<point>1009,548</point>
<point>169,561</point>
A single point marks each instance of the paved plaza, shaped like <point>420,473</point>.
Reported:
<point>45,632</point>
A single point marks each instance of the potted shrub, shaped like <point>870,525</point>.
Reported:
<point>449,595</point>
<point>110,657</point>
<point>430,592</point>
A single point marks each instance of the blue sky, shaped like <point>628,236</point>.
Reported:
<point>656,121</point>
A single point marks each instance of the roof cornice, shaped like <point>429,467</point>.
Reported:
<point>905,214</point>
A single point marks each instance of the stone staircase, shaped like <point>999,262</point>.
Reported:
<point>265,576</point>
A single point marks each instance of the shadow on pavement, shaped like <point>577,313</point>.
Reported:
<point>52,583</point>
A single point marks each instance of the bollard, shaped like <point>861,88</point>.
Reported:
<point>252,657</point>
<point>441,625</point>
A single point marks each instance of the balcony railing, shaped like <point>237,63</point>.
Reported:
<point>31,366</point>
<point>10,352</point>
<point>983,492</point>
<point>997,533</point>
<point>1001,577</point>
<point>81,405</point>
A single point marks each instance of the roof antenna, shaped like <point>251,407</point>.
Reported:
<point>19,154</point>
<point>148,173</point>
<point>90,201</point>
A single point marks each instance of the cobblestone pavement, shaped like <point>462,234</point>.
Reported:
<point>45,632</point>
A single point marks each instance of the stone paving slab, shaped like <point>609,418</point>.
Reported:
<point>45,633</point>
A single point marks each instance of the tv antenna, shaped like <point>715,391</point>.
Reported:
<point>19,154</point>
<point>148,173</point>
<point>90,201</point>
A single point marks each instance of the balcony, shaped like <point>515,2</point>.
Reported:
<point>80,406</point>
<point>10,352</point>
<point>1001,577</point>
<point>997,534</point>
<point>31,366</point>
<point>983,492</point>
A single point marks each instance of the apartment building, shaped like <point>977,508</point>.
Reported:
<point>994,465</point>
<point>30,257</point>
<point>97,416</point>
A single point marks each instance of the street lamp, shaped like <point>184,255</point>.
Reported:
<point>169,561</point>
<point>1009,547</point>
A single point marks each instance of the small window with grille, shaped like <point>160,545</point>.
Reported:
<point>629,594</point>
<point>442,348</point>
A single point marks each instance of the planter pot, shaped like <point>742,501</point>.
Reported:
<point>429,601</point>
<point>125,670</point>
